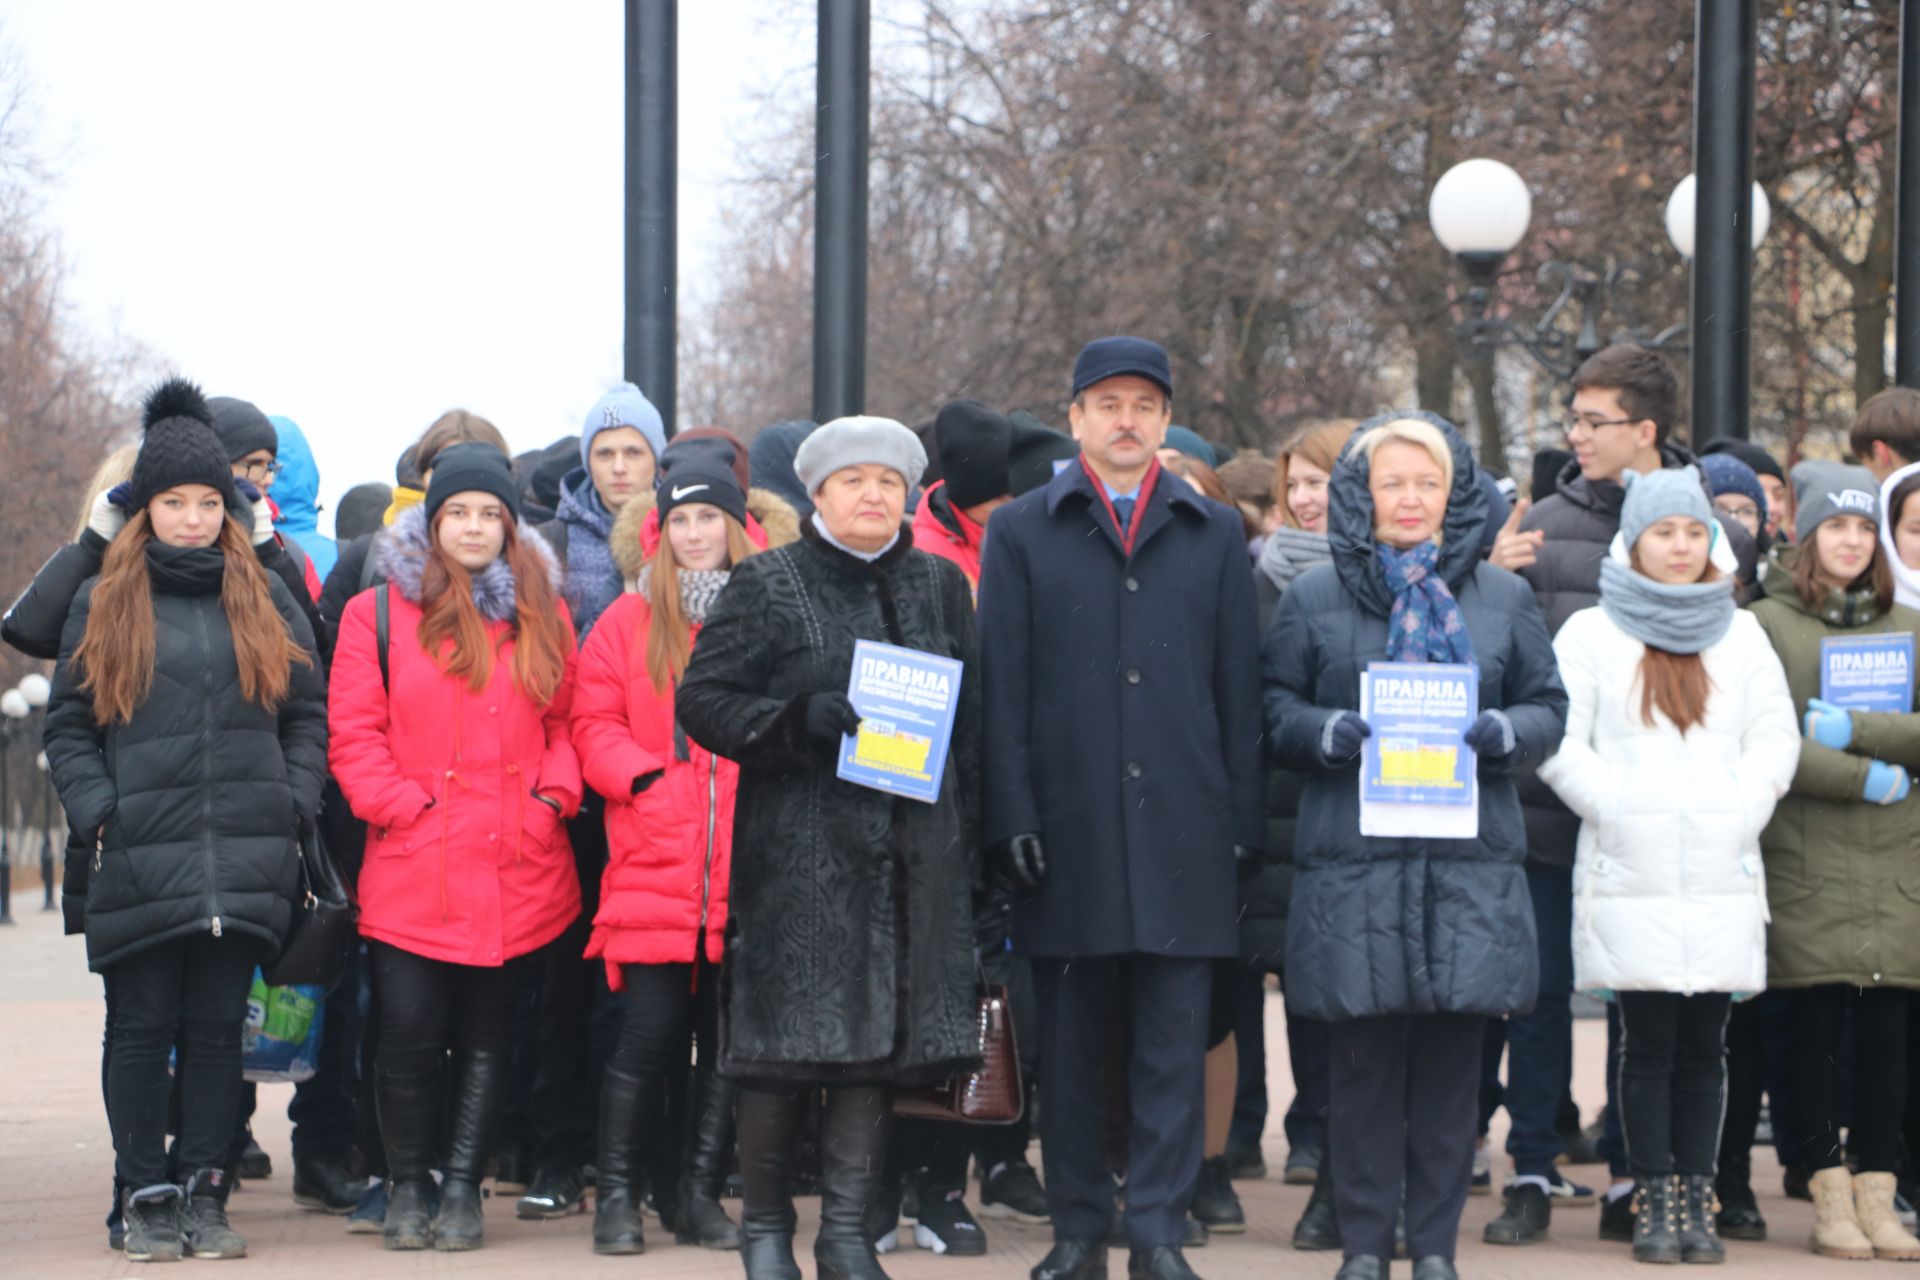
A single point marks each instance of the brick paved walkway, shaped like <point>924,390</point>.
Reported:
<point>55,1172</point>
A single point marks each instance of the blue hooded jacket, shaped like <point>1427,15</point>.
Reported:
<point>296,491</point>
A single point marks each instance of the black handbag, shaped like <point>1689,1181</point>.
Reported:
<point>315,950</point>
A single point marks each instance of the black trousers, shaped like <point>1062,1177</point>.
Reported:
<point>1673,1081</point>
<point>565,1084</point>
<point>1816,1016</point>
<point>1165,1002</point>
<point>430,1006</point>
<point>668,1009</point>
<point>1746,1081</point>
<point>1403,1099</point>
<point>196,988</point>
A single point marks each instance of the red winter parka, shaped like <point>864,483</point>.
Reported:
<point>669,849</point>
<point>464,862</point>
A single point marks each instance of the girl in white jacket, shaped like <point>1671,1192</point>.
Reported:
<point>1680,739</point>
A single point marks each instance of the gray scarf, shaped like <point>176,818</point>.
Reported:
<point>1687,618</point>
<point>699,588</point>
<point>1290,552</point>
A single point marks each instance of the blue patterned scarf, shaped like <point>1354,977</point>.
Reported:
<point>1425,625</point>
<point>593,581</point>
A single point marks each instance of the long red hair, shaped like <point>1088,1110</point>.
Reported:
<point>457,637</point>
<point>116,655</point>
<point>669,639</point>
<point>1675,683</point>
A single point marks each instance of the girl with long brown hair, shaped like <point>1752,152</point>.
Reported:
<point>187,737</point>
<point>662,917</point>
<point>452,683</point>
<point>1844,942</point>
<point>1680,740</point>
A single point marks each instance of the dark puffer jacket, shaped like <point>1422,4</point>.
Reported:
<point>1580,519</point>
<point>1383,926</point>
<point>200,793</point>
<point>851,947</point>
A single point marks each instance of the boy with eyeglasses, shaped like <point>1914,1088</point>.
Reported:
<point>1625,401</point>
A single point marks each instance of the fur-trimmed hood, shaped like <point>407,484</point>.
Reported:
<point>636,532</point>
<point>403,560</point>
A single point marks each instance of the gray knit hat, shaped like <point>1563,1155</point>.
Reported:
<point>1651,498</point>
<point>849,442</point>
<point>1823,490</point>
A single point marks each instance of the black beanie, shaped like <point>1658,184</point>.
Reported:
<point>179,446</point>
<point>242,428</point>
<point>1753,455</point>
<point>1036,449</point>
<point>472,467</point>
<point>973,443</point>
<point>696,471</point>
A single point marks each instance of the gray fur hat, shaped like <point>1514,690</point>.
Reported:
<point>849,442</point>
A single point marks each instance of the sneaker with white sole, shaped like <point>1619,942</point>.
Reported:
<point>1482,1183</point>
<point>944,1225</point>
<point>1567,1193</point>
<point>1012,1190</point>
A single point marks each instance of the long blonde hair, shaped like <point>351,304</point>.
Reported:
<point>669,642</point>
<point>115,468</point>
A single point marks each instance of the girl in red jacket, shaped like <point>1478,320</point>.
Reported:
<point>663,902</point>
<point>451,743</point>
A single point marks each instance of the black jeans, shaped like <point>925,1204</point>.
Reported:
<point>430,1006</point>
<point>1673,1080</point>
<point>1815,1015</point>
<point>323,1110</point>
<point>667,1008</point>
<point>1403,1102</point>
<point>195,987</point>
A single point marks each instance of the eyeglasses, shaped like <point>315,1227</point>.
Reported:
<point>1585,424</point>
<point>259,472</point>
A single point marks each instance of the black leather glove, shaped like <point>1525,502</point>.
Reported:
<point>1247,862</point>
<point>830,717</point>
<point>645,780</point>
<point>1020,861</point>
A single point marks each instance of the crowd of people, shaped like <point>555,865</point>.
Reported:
<point>573,721</point>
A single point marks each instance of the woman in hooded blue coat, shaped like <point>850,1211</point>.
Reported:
<point>1407,945</point>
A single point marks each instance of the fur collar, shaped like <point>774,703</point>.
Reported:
<point>403,556</point>
<point>772,512</point>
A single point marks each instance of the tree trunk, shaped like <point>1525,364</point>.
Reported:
<point>1486,411</point>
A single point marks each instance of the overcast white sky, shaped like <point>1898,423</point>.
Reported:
<point>360,214</point>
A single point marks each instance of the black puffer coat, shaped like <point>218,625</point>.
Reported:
<point>1580,519</point>
<point>1383,926</point>
<point>200,793</point>
<point>850,954</point>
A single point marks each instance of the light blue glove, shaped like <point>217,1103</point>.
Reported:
<point>1886,783</point>
<point>1828,725</point>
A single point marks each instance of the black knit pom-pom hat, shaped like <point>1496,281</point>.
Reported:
<point>179,445</point>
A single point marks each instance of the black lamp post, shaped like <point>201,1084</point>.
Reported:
<point>14,710</point>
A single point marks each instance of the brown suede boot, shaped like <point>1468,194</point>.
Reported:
<point>1873,1206</point>
<point>1836,1224</point>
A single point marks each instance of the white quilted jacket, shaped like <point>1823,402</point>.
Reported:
<point>1669,893</point>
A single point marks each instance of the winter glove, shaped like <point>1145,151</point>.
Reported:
<point>262,510</point>
<point>645,780</point>
<point>831,717</point>
<point>107,518</point>
<point>1828,725</point>
<point>1490,735</point>
<point>1247,862</point>
<point>121,496</point>
<point>1019,861</point>
<point>1886,783</point>
<point>1341,738</point>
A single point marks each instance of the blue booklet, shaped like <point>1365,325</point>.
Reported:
<point>1868,673</point>
<point>906,700</point>
<point>1418,712</point>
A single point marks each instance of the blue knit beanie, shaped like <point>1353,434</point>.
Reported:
<point>623,406</point>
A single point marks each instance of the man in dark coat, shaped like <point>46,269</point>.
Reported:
<point>1122,782</point>
<point>1625,400</point>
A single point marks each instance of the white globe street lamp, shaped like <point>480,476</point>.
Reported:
<point>35,688</point>
<point>1480,207</point>
<point>1680,215</point>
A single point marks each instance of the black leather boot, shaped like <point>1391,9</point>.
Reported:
<point>1319,1226</point>
<point>1656,1220</point>
<point>409,1108</point>
<point>1699,1236</point>
<point>702,1220</point>
<point>1739,1217</point>
<point>853,1157</point>
<point>629,1106</point>
<point>480,1099</point>
<point>770,1122</point>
